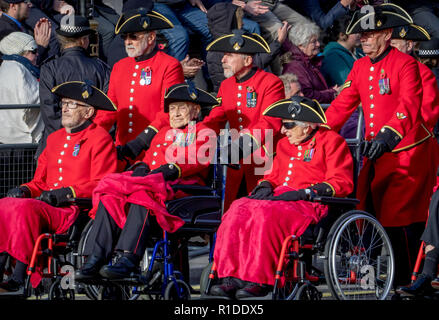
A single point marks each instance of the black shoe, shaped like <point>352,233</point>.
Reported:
<point>227,288</point>
<point>124,268</point>
<point>11,286</point>
<point>253,290</point>
<point>422,286</point>
<point>90,269</point>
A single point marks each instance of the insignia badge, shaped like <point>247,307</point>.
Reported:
<point>85,94</point>
<point>236,46</point>
<point>251,97</point>
<point>402,33</point>
<point>294,108</point>
<point>76,149</point>
<point>400,115</point>
<point>145,76</point>
<point>145,25</point>
<point>379,23</point>
<point>193,96</point>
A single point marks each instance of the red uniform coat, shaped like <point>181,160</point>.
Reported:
<point>236,107</point>
<point>408,172</point>
<point>251,233</point>
<point>182,147</point>
<point>139,103</point>
<point>76,160</point>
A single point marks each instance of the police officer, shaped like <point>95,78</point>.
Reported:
<point>398,175</point>
<point>73,64</point>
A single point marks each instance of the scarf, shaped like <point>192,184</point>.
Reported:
<point>25,62</point>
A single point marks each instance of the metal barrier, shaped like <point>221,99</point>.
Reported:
<point>17,163</point>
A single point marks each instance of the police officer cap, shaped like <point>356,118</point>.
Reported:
<point>297,108</point>
<point>187,91</point>
<point>410,32</point>
<point>384,16</point>
<point>137,15</point>
<point>240,41</point>
<point>86,92</point>
<point>429,49</point>
<point>74,27</point>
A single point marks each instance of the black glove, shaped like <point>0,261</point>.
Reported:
<point>295,195</point>
<point>141,169</point>
<point>261,191</point>
<point>134,147</point>
<point>373,149</point>
<point>19,192</point>
<point>57,197</point>
<point>169,171</point>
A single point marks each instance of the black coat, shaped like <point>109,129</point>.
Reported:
<point>73,64</point>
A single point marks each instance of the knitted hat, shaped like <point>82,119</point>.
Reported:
<point>17,43</point>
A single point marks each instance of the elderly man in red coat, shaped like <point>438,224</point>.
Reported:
<point>126,202</point>
<point>138,82</point>
<point>75,159</point>
<point>397,179</point>
<point>245,94</point>
<point>310,159</point>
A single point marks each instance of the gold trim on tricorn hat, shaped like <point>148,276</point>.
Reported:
<point>411,32</point>
<point>297,108</point>
<point>85,92</point>
<point>240,41</point>
<point>384,16</point>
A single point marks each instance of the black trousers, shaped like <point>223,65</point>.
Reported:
<point>405,243</point>
<point>105,236</point>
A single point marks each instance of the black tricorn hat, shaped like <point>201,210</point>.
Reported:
<point>137,15</point>
<point>72,26</point>
<point>429,49</point>
<point>297,108</point>
<point>187,91</point>
<point>383,16</point>
<point>240,41</point>
<point>85,92</point>
<point>411,32</point>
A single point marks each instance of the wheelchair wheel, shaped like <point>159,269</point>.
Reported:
<point>91,291</point>
<point>56,292</point>
<point>114,292</point>
<point>182,293</point>
<point>308,292</point>
<point>359,262</point>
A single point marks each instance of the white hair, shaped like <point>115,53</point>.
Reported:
<point>300,34</point>
<point>305,124</point>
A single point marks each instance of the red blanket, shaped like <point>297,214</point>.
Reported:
<point>249,239</point>
<point>117,190</point>
<point>23,220</point>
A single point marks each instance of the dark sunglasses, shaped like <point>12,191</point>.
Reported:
<point>289,125</point>
<point>130,36</point>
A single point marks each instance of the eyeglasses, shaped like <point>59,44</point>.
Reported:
<point>289,125</point>
<point>131,36</point>
<point>72,104</point>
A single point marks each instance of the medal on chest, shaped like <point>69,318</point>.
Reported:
<point>183,139</point>
<point>145,76</point>
<point>384,83</point>
<point>309,153</point>
<point>251,97</point>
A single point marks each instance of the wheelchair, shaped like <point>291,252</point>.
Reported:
<point>54,259</point>
<point>165,266</point>
<point>348,250</point>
